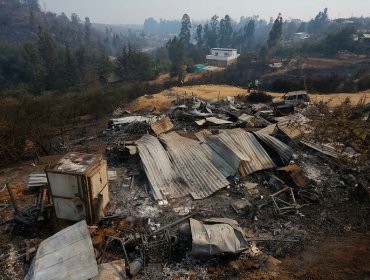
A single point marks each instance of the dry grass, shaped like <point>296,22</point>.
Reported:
<point>335,99</point>
<point>162,101</point>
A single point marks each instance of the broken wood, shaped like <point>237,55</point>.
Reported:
<point>12,198</point>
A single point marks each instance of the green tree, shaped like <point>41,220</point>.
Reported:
<point>249,32</point>
<point>276,32</point>
<point>176,55</point>
<point>87,31</point>
<point>226,32</point>
<point>199,36</point>
<point>185,34</point>
<point>47,50</point>
<point>211,33</point>
<point>35,70</point>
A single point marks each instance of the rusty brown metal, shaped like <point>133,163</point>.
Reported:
<point>293,174</point>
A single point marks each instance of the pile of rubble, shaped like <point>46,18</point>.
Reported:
<point>206,180</point>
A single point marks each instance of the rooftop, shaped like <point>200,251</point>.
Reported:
<point>76,163</point>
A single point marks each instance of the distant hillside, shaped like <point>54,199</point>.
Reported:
<point>22,20</point>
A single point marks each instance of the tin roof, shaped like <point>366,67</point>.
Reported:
<point>241,150</point>
<point>326,149</point>
<point>284,151</point>
<point>76,163</point>
<point>161,173</point>
<point>193,165</point>
<point>162,126</point>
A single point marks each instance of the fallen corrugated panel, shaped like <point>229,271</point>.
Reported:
<point>270,129</point>
<point>36,180</point>
<point>68,254</point>
<point>284,151</point>
<point>241,150</point>
<point>160,172</point>
<point>291,128</point>
<point>217,121</point>
<point>162,126</point>
<point>131,119</point>
<point>322,148</point>
<point>216,236</point>
<point>202,134</point>
<point>193,165</point>
<point>221,164</point>
<point>246,118</point>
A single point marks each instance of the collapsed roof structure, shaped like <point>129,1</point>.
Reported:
<point>181,166</point>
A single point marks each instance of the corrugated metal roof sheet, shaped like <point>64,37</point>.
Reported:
<point>160,172</point>
<point>270,129</point>
<point>323,148</point>
<point>291,128</point>
<point>221,164</point>
<point>162,126</point>
<point>68,254</point>
<point>217,121</point>
<point>193,165</point>
<point>202,134</point>
<point>284,151</point>
<point>241,150</point>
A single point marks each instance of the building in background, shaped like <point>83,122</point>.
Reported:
<point>221,57</point>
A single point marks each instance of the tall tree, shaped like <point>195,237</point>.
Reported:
<point>249,32</point>
<point>199,36</point>
<point>276,32</point>
<point>47,50</point>
<point>87,31</point>
<point>226,32</point>
<point>185,29</point>
<point>211,33</point>
<point>176,55</point>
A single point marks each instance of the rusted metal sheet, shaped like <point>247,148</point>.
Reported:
<point>193,165</point>
<point>326,149</point>
<point>292,129</point>
<point>269,130</point>
<point>293,174</point>
<point>161,174</point>
<point>162,126</point>
<point>283,150</point>
<point>241,150</point>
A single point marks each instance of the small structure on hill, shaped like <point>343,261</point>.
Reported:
<point>222,57</point>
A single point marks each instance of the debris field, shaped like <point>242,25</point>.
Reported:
<point>205,190</point>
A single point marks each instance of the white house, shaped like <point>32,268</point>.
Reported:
<point>222,57</point>
<point>301,36</point>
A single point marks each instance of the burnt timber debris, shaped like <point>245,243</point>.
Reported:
<point>206,179</point>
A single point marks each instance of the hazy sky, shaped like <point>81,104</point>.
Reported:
<point>135,11</point>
